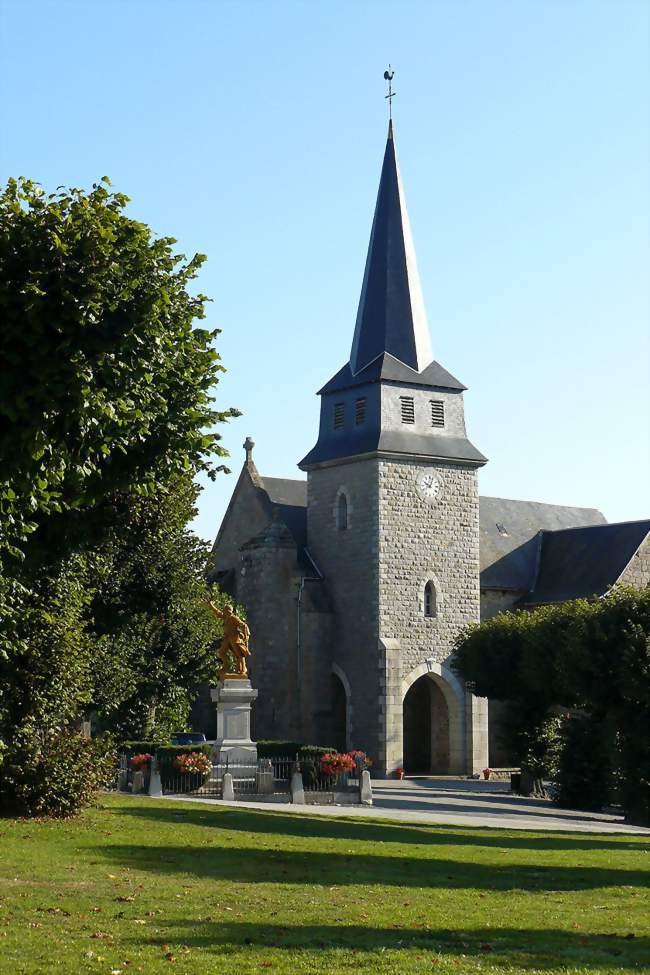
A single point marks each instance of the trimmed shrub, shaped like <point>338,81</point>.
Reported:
<point>167,753</point>
<point>140,747</point>
<point>308,752</point>
<point>309,757</point>
<point>55,775</point>
<point>278,749</point>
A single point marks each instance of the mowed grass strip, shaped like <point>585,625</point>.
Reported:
<point>158,886</point>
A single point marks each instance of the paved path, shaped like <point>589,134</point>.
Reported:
<point>456,802</point>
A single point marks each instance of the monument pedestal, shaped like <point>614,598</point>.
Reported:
<point>233,698</point>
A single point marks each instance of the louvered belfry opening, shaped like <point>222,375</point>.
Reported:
<point>360,411</point>
<point>437,413</point>
<point>408,409</point>
<point>339,415</point>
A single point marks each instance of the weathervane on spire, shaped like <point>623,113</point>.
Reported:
<point>388,76</point>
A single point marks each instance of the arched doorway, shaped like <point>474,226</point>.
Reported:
<point>339,714</point>
<point>425,715</point>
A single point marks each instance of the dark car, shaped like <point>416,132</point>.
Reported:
<point>188,738</point>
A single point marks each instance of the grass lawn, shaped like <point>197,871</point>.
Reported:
<point>158,886</point>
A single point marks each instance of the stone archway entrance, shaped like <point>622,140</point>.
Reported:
<point>425,715</point>
<point>433,721</point>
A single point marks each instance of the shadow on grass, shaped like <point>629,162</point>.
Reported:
<point>304,825</point>
<point>248,864</point>
<point>535,949</point>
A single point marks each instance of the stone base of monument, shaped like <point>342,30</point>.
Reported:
<point>233,746</point>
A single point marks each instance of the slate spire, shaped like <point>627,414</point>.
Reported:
<point>391,316</point>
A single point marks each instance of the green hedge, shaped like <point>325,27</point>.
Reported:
<point>278,749</point>
<point>140,747</point>
<point>309,757</point>
<point>315,751</point>
<point>271,748</point>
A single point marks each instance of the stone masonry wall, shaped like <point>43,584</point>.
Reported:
<point>245,517</point>
<point>349,562</point>
<point>420,541</point>
<point>268,590</point>
<point>495,601</point>
<point>637,572</point>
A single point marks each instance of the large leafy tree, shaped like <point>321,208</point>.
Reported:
<point>106,408</point>
<point>104,378</point>
<point>148,612</point>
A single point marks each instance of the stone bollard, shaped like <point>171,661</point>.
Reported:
<point>138,782</point>
<point>297,789</point>
<point>365,789</point>
<point>227,788</point>
<point>155,785</point>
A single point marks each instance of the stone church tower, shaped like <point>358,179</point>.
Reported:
<point>357,582</point>
<point>393,514</point>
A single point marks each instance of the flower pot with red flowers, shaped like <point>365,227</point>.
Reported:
<point>140,763</point>
<point>194,769</point>
<point>334,766</point>
<point>487,772</point>
<point>399,773</point>
<point>361,761</point>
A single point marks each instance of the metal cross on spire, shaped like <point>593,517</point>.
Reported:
<point>388,76</point>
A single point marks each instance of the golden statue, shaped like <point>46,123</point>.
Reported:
<point>234,646</point>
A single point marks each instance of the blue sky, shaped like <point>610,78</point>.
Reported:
<point>254,132</point>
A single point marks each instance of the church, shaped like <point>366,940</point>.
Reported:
<point>358,579</point>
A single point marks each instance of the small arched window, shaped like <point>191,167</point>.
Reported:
<point>342,513</point>
<point>429,599</point>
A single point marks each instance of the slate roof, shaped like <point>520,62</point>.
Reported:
<point>289,498</point>
<point>387,368</point>
<point>583,562</point>
<point>359,441</point>
<point>391,316</point>
<point>509,537</point>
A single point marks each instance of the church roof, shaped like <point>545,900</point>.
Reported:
<point>286,491</point>
<point>288,498</point>
<point>509,537</point>
<point>357,442</point>
<point>583,562</point>
<point>389,369</point>
<point>391,316</point>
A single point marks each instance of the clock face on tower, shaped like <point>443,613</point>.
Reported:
<point>429,486</point>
